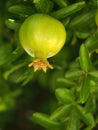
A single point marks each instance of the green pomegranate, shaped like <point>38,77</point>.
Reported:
<point>42,36</point>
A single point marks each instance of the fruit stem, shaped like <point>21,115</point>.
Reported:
<point>40,64</point>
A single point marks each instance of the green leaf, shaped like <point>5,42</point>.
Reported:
<point>43,6</point>
<point>64,12</point>
<point>85,61</point>
<point>74,122</point>
<point>82,19</point>
<point>94,74</point>
<point>66,22</point>
<point>82,114</point>
<point>12,24</point>
<point>90,119</point>
<point>82,34</point>
<point>85,89</point>
<point>86,117</point>
<point>60,112</point>
<point>27,78</point>
<point>61,3</point>
<point>44,121</point>
<point>72,74</point>
<point>88,128</point>
<point>19,74</point>
<point>65,81</point>
<point>74,40</point>
<point>15,54</point>
<point>90,105</point>
<point>7,73</point>
<point>21,10</point>
<point>94,87</point>
<point>92,41</point>
<point>64,95</point>
<point>5,51</point>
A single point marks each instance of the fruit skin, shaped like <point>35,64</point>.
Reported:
<point>42,36</point>
<point>96,18</point>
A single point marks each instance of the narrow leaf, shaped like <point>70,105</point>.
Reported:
<point>64,12</point>
<point>74,40</point>
<point>7,73</point>
<point>62,111</point>
<point>74,122</point>
<point>61,3</point>
<point>82,114</point>
<point>65,81</point>
<point>12,24</point>
<point>90,105</point>
<point>92,41</point>
<point>85,89</point>
<point>73,73</point>
<point>90,119</point>
<point>86,118</point>
<point>21,10</point>
<point>15,54</point>
<point>64,95</point>
<point>82,34</point>
<point>94,74</point>
<point>43,6</point>
<point>66,22</point>
<point>85,61</point>
<point>44,121</point>
<point>82,19</point>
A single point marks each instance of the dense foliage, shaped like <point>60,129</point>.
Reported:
<point>65,98</point>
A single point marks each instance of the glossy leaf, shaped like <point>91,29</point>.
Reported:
<point>43,6</point>
<point>72,74</point>
<point>92,41</point>
<point>90,105</point>
<point>82,19</point>
<point>85,89</point>
<point>90,119</point>
<point>67,82</point>
<point>81,114</point>
<point>82,35</point>
<point>64,12</point>
<point>85,61</point>
<point>94,74</point>
<point>66,22</point>
<point>12,24</point>
<point>74,40</point>
<point>44,121</point>
<point>60,112</point>
<point>61,3</point>
<point>74,122</point>
<point>7,73</point>
<point>15,54</point>
<point>85,117</point>
<point>64,95</point>
<point>21,10</point>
